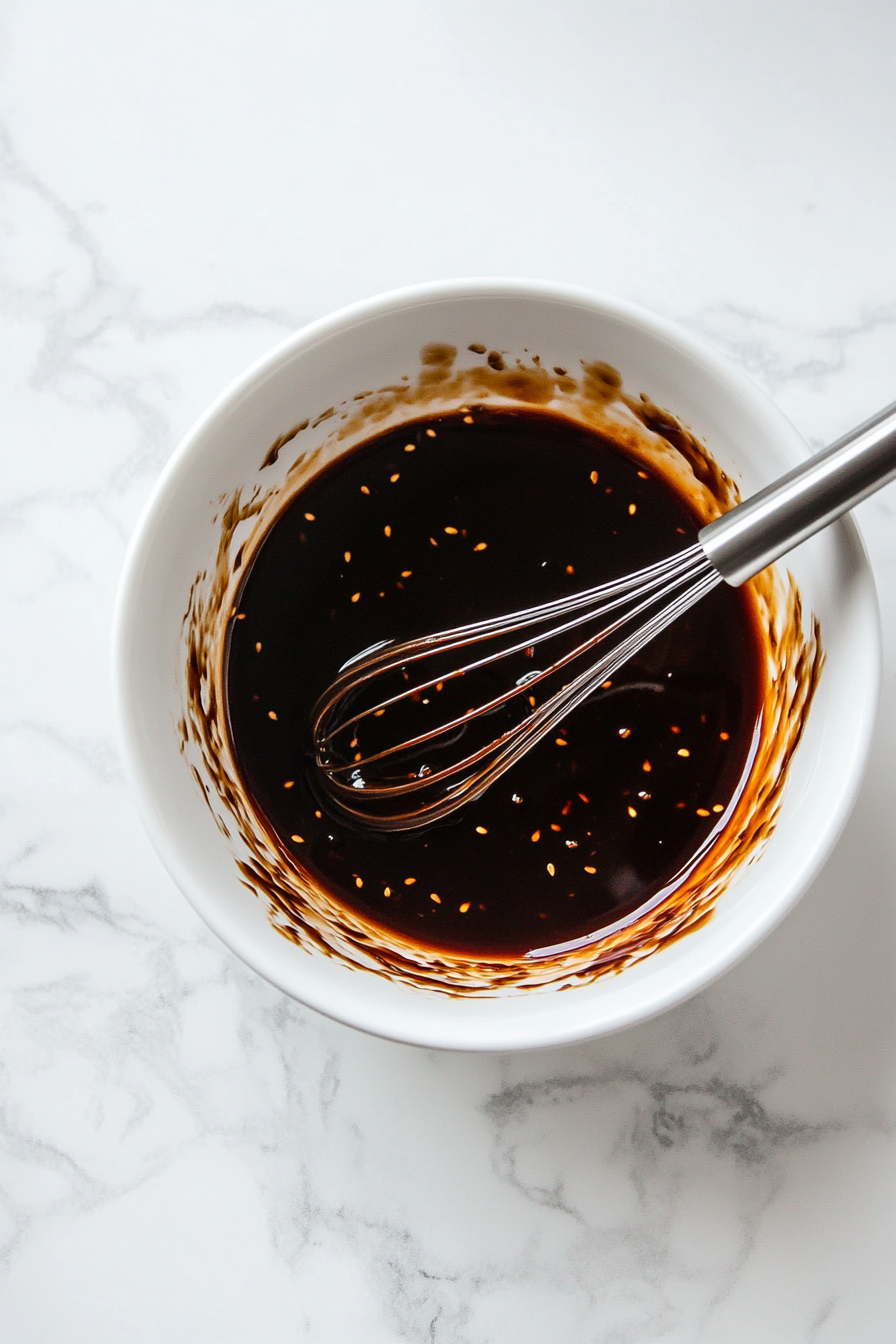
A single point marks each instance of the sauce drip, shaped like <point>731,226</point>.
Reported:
<point>454,518</point>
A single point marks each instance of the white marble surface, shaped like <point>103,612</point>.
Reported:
<point>187,1156</point>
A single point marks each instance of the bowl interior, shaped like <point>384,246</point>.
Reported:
<point>374,345</point>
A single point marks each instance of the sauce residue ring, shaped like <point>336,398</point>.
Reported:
<point>306,914</point>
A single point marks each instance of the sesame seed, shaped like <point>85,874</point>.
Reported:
<point>566,809</point>
<point>536,835</point>
<point>481,830</point>
<point>298,839</point>
<point>433,542</point>
<point>430,433</point>
<point>584,797</point>
<point>531,700</point>
<point>468,420</point>
<point>348,556</point>
<point>359,881</point>
<point>717,807</point>
<point>561,741</point>
<point>680,805</point>
<point>395,477</point>
<point>644,476</point>
<point>625,732</point>
<point>289,783</point>
<point>551,869</point>
<point>409,881</point>
<point>480,546</point>
<point>464,908</point>
<point>364,490</point>
<point>452,531</point>
<point>241,616</point>
<point>589,869</point>
<point>310,517</point>
<point>594,478</point>
<point>683,751</point>
<point>702,812</point>
<point>406,573</point>
<point>387,891</point>
<point>439,685</point>
<point>631,811</point>
<point>355,597</point>
<point>258,648</point>
<point>554,826</point>
<point>272,715</point>
<point>434,897</point>
<point>605,685</point>
<point>409,447</point>
<point>387,530</point>
<point>673,728</point>
<point>318,815</point>
<point>570,570</point>
<point>724,736</point>
<point>632,508</point>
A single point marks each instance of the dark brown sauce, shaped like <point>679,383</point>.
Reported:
<point>492,510</point>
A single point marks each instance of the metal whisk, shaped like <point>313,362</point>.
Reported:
<point>425,756</point>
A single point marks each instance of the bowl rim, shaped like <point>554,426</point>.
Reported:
<point>127,707</point>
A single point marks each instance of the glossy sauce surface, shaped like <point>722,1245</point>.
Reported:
<point>452,519</point>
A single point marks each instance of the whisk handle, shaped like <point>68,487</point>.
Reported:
<point>772,522</point>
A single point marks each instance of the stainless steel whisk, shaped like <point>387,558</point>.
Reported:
<point>437,768</point>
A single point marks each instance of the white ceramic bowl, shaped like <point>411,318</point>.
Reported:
<point>372,344</point>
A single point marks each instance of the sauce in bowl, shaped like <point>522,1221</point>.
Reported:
<point>457,517</point>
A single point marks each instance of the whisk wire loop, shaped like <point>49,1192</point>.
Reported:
<point>377,789</point>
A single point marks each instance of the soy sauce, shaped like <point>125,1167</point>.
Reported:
<point>451,519</point>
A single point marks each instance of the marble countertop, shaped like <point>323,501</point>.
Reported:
<point>187,1155</point>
